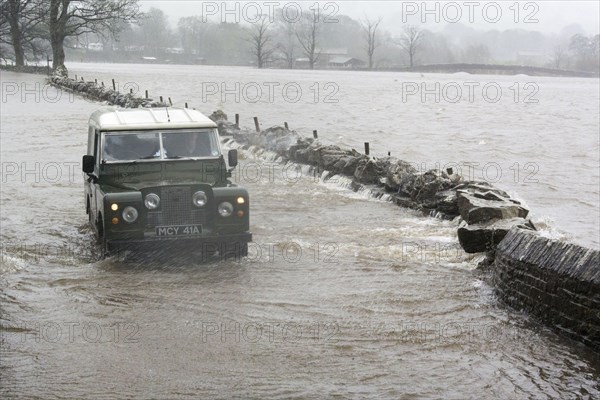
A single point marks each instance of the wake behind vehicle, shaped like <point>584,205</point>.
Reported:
<point>157,179</point>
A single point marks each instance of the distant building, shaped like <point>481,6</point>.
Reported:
<point>95,47</point>
<point>327,54</point>
<point>345,62</point>
<point>133,49</point>
<point>302,62</point>
<point>174,50</point>
<point>331,58</point>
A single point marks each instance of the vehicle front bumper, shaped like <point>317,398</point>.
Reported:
<point>204,243</point>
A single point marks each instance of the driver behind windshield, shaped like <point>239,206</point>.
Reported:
<point>188,144</point>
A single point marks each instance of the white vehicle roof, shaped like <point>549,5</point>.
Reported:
<point>118,119</point>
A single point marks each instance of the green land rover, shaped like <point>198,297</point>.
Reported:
<point>156,179</point>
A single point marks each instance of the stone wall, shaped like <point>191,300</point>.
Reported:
<point>557,282</point>
<point>487,212</point>
<point>99,92</point>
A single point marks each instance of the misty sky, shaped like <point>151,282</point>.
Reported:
<point>543,16</point>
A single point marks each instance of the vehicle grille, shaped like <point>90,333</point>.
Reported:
<point>176,209</point>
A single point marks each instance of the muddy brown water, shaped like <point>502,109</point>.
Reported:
<point>341,295</point>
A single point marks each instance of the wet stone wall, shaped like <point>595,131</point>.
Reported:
<point>557,282</point>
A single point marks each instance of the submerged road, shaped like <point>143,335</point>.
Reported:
<point>340,296</point>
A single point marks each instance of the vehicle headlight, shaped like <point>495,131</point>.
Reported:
<point>152,201</point>
<point>130,214</point>
<point>199,199</point>
<point>225,209</point>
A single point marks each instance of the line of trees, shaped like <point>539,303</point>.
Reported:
<point>272,40</point>
<point>585,51</point>
<point>51,27</point>
<point>21,26</point>
<point>285,40</point>
<point>282,39</point>
<point>34,25</point>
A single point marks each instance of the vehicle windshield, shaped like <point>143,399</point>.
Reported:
<point>132,146</point>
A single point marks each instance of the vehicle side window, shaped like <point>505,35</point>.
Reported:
<point>90,144</point>
<point>96,144</point>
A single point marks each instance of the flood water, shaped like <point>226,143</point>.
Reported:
<point>341,295</point>
<point>536,137</point>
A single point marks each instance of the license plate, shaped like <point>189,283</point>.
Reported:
<point>178,230</point>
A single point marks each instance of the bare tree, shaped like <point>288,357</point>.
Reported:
<point>411,41</point>
<point>20,24</point>
<point>192,31</point>
<point>155,31</point>
<point>308,35</point>
<point>370,35</point>
<point>4,31</point>
<point>586,51</point>
<point>68,18</point>
<point>560,56</point>
<point>260,39</point>
<point>287,44</point>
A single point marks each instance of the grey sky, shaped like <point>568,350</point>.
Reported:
<point>544,16</point>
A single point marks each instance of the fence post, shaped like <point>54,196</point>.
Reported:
<point>256,125</point>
